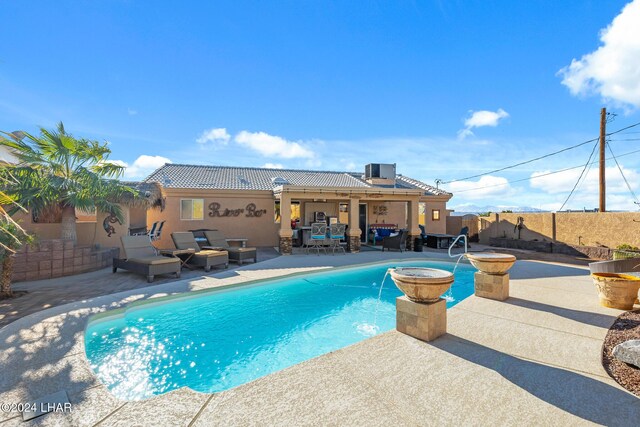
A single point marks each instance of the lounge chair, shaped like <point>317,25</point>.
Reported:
<point>140,257</point>
<point>206,258</point>
<point>216,240</point>
<point>396,242</point>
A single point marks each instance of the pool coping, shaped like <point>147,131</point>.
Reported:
<point>82,311</point>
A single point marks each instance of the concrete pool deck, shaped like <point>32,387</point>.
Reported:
<point>533,359</point>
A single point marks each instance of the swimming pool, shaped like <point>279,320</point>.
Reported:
<point>219,339</point>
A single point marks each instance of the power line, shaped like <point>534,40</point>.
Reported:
<point>539,158</point>
<point>586,167</point>
<point>622,173</point>
<point>522,163</point>
<point>624,128</point>
<point>541,175</point>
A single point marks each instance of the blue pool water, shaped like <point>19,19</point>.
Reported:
<point>221,339</point>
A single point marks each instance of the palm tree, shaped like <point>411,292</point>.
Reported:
<point>57,171</point>
<point>12,237</point>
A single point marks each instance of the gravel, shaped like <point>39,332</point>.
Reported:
<point>626,327</point>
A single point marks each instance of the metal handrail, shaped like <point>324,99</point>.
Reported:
<point>456,241</point>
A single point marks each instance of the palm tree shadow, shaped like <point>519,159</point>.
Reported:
<point>582,396</point>
<point>589,318</point>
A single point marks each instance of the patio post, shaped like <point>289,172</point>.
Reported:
<point>285,233</point>
<point>413,219</point>
<point>354,232</point>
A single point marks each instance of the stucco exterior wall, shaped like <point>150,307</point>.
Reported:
<point>608,229</point>
<point>89,233</point>
<point>440,226</point>
<point>261,231</point>
<point>396,213</point>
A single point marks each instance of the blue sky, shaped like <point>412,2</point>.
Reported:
<point>445,89</point>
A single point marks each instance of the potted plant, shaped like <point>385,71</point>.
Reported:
<point>617,290</point>
<point>626,251</point>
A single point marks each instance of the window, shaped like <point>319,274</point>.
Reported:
<point>435,214</point>
<point>191,209</point>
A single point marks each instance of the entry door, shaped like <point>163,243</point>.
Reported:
<point>362,215</point>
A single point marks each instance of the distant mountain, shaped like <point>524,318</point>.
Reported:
<point>475,209</point>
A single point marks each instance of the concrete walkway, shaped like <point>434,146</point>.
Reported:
<point>532,360</point>
<point>43,294</point>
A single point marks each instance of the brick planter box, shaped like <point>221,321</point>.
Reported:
<point>56,258</point>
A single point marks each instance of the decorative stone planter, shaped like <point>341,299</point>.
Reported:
<point>492,281</point>
<point>422,285</point>
<point>617,290</point>
<point>491,263</point>
<point>421,313</point>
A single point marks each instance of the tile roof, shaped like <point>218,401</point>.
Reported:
<point>173,175</point>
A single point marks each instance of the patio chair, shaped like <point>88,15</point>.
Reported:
<point>336,234</point>
<point>216,240</point>
<point>159,231</point>
<point>152,232</point>
<point>206,258</point>
<point>318,237</point>
<point>140,257</point>
<point>464,231</point>
<point>396,242</point>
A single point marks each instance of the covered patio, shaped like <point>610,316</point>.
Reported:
<point>355,201</point>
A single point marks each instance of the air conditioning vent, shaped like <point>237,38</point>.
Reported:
<point>380,170</point>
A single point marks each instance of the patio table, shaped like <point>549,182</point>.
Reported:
<point>439,241</point>
<point>243,242</point>
<point>184,255</point>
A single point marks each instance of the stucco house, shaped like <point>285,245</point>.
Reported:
<point>267,206</point>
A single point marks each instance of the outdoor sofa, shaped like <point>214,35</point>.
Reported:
<point>216,240</point>
<point>140,257</point>
<point>398,241</point>
<point>206,258</point>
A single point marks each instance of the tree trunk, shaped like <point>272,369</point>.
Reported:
<point>68,228</point>
<point>5,278</point>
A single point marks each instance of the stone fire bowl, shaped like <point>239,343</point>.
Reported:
<point>491,263</point>
<point>423,285</point>
<point>617,290</point>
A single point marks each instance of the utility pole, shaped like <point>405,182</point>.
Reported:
<point>603,186</point>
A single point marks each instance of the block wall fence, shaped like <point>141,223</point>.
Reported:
<point>49,259</point>
<point>608,229</point>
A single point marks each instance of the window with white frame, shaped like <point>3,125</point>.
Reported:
<point>191,209</point>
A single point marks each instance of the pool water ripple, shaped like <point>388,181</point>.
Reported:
<point>228,337</point>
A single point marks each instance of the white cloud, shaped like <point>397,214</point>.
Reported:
<point>556,188</point>
<point>351,166</point>
<point>612,70</point>
<point>142,166</point>
<point>272,166</point>
<point>487,186</point>
<point>481,118</point>
<point>216,135</point>
<point>563,182</point>
<point>132,112</point>
<point>273,146</point>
